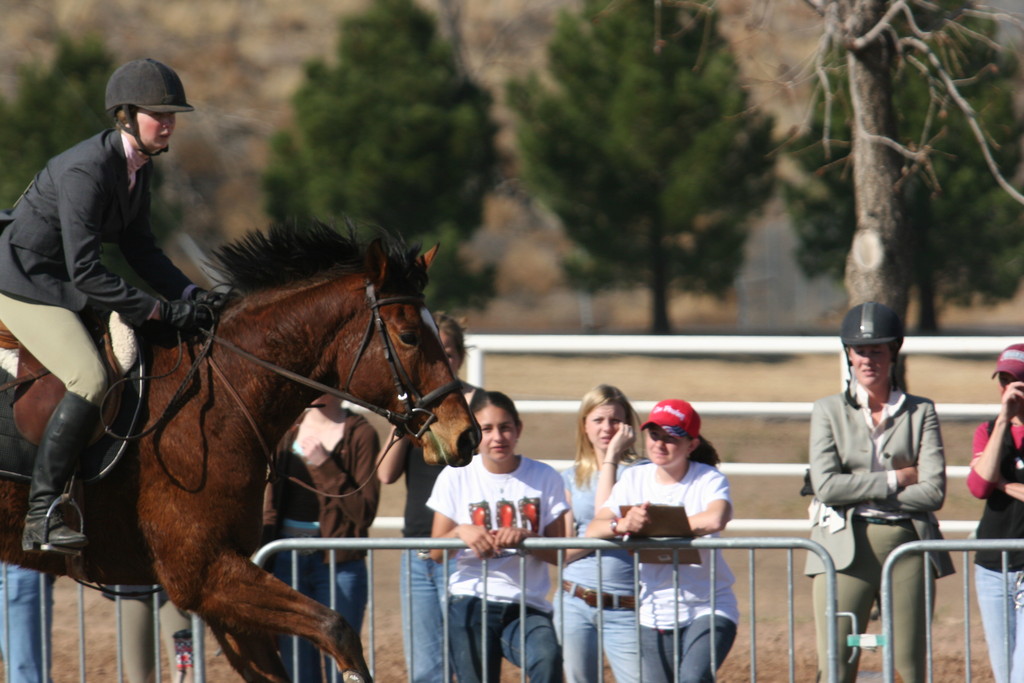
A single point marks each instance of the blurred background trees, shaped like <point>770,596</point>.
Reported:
<point>653,160</point>
<point>570,145</point>
<point>56,106</point>
<point>392,134</point>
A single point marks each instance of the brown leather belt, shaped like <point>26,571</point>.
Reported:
<point>595,599</point>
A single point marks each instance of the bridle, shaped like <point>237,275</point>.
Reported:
<point>416,404</point>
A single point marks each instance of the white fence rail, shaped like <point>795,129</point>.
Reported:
<point>480,345</point>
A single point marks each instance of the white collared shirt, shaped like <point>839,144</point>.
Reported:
<point>877,432</point>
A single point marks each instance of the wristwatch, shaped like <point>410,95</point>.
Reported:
<point>613,525</point>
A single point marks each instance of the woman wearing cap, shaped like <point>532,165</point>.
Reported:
<point>598,593</point>
<point>682,472</point>
<point>50,270</point>
<point>878,473</point>
<point>997,477</point>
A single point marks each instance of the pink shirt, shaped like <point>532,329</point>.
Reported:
<point>979,487</point>
<point>134,157</point>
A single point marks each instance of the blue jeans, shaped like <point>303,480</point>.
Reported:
<point>313,579</point>
<point>24,597</point>
<point>423,592</point>
<point>656,650</point>
<point>543,656</point>
<point>576,623</point>
<point>989,586</point>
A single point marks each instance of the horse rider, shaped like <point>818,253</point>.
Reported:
<point>50,269</point>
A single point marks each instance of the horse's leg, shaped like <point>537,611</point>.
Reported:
<point>251,655</point>
<point>240,597</point>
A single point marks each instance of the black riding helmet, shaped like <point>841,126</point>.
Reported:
<point>872,323</point>
<point>146,84</point>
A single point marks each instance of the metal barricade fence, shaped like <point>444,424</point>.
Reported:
<point>377,547</point>
<point>948,545</point>
<point>749,615</point>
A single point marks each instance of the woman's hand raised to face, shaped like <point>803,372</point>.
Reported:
<point>621,443</point>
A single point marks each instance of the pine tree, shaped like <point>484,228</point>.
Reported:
<point>55,107</point>
<point>392,135</point>
<point>653,160</point>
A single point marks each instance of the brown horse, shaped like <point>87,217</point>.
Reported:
<point>183,509</point>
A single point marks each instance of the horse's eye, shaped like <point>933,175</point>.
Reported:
<point>409,338</point>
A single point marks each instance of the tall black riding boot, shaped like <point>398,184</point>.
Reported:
<point>67,434</point>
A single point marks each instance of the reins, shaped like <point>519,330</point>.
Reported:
<point>414,401</point>
<point>416,404</point>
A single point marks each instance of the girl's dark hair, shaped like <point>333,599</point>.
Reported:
<point>454,329</point>
<point>705,452</point>
<point>482,399</point>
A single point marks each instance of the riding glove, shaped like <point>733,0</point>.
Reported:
<point>215,300</point>
<point>185,315</point>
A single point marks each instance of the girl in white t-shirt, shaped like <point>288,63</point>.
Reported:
<point>492,504</point>
<point>682,472</point>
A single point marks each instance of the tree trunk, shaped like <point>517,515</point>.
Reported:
<point>878,266</point>
<point>659,283</point>
<point>924,280</point>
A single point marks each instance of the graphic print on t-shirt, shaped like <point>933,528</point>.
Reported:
<point>480,513</point>
<point>505,514</point>
<point>529,513</point>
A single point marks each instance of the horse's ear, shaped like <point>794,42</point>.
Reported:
<point>376,261</point>
<point>428,257</point>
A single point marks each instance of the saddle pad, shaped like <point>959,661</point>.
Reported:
<point>17,455</point>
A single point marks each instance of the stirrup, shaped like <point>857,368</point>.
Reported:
<point>45,546</point>
<point>59,550</point>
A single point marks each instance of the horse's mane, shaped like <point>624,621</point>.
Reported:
<point>289,253</point>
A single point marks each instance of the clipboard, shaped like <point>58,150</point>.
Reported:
<point>666,521</point>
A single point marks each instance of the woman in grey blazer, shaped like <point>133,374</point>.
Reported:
<point>50,269</point>
<point>878,474</point>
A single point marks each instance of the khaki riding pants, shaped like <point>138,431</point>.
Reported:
<point>59,340</point>
<point>137,627</point>
<point>856,587</point>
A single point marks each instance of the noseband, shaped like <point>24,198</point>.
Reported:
<point>416,404</point>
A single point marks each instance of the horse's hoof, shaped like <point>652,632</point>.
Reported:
<point>352,677</point>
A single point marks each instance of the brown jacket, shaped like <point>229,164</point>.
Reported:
<point>351,465</point>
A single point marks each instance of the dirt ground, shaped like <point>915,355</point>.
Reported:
<point>762,651</point>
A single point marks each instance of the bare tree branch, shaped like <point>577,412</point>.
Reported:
<point>884,24</point>
<point>969,114</point>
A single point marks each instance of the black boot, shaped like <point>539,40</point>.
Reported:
<point>67,434</point>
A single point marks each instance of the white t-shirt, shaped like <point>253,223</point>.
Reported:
<point>530,497</point>
<point>701,485</point>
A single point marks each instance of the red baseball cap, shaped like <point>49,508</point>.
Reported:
<point>676,417</point>
<point>1011,360</point>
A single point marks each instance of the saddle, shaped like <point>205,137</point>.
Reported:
<point>37,391</point>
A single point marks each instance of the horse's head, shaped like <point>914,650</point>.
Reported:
<point>324,306</point>
<point>427,401</point>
